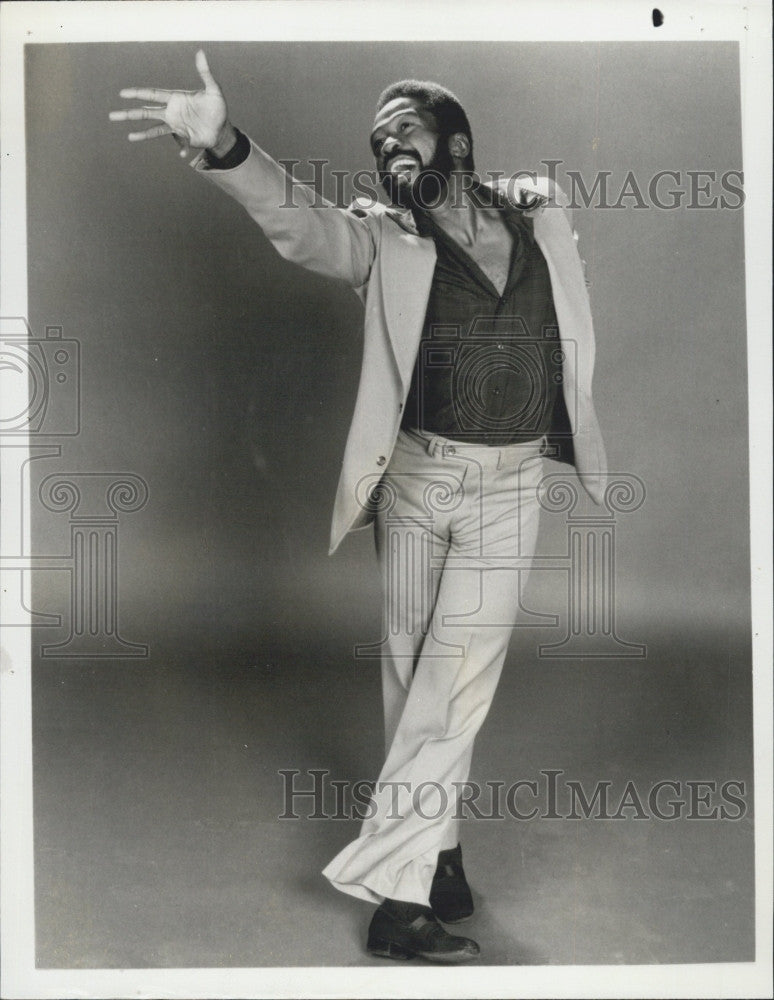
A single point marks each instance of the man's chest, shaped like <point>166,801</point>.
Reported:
<point>486,256</point>
<point>491,251</point>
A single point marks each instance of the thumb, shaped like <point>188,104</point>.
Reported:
<point>210,85</point>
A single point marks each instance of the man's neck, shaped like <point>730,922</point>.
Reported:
<point>459,215</point>
<point>464,213</point>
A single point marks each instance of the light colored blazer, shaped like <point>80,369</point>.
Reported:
<point>378,252</point>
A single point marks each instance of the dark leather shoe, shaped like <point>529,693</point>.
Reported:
<point>450,895</point>
<point>406,930</point>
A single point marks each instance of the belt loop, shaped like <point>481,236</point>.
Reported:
<point>432,445</point>
<point>499,458</point>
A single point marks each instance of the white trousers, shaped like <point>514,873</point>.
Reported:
<point>456,531</point>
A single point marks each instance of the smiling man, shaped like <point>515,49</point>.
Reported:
<point>477,363</point>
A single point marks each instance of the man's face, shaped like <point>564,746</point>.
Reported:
<point>407,146</point>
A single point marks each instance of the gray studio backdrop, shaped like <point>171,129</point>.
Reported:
<point>224,377</point>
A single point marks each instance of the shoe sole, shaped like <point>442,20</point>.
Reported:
<point>388,949</point>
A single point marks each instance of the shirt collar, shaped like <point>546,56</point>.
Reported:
<point>490,197</point>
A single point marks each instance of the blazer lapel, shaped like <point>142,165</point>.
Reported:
<point>407,263</point>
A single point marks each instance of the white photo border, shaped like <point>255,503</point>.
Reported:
<point>748,24</point>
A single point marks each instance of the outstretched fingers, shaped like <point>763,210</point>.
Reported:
<point>147,94</point>
<point>195,116</point>
<point>150,133</point>
<point>137,114</point>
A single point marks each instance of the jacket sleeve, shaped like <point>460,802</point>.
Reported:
<point>303,226</point>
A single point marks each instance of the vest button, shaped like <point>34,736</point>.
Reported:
<point>381,460</point>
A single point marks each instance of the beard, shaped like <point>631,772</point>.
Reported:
<point>429,188</point>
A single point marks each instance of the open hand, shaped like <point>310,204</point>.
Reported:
<point>197,119</point>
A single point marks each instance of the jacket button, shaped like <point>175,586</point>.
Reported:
<point>381,460</point>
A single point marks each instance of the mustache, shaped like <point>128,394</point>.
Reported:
<point>402,154</point>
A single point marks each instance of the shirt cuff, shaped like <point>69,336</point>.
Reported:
<point>236,155</point>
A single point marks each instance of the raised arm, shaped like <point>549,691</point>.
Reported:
<point>309,231</point>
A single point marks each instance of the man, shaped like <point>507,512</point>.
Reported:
<point>478,357</point>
